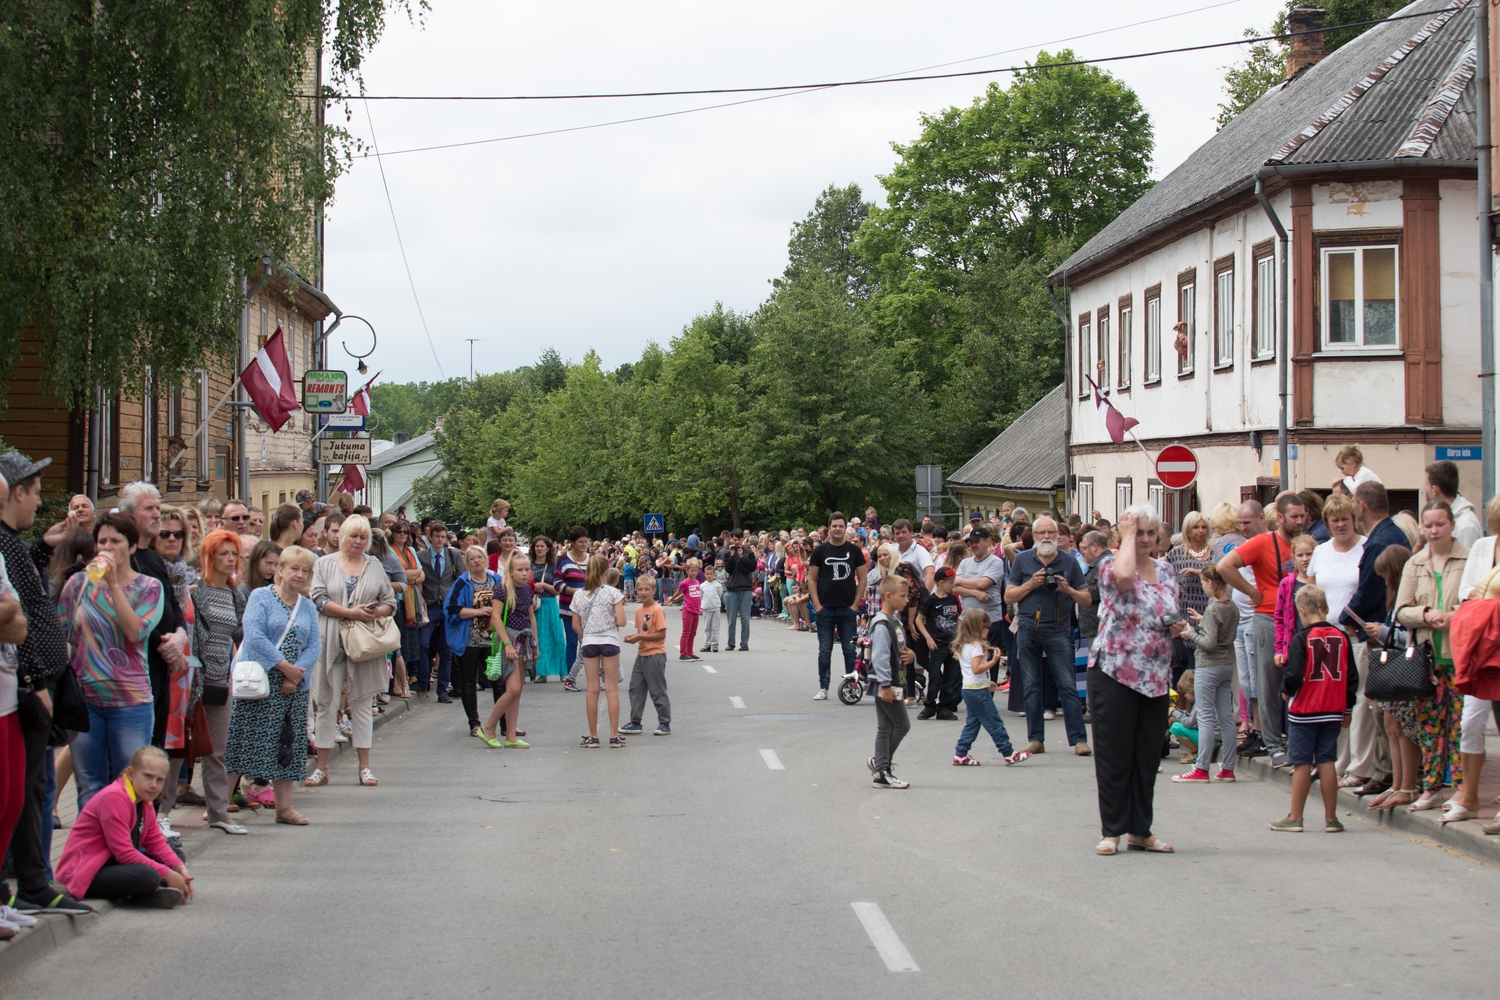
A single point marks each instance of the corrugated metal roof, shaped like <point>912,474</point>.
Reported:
<point>1030,454</point>
<point>1372,126</point>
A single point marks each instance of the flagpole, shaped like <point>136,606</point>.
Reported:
<point>204,423</point>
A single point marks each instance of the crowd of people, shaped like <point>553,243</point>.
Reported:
<point>141,644</point>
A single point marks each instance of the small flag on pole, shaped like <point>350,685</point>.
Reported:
<point>353,481</point>
<point>360,403</point>
<point>1115,422</point>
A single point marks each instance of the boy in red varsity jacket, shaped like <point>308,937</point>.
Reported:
<point>1318,684</point>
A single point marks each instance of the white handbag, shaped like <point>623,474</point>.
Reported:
<point>249,679</point>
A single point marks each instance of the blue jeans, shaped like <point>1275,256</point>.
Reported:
<point>434,638</point>
<point>841,622</point>
<point>49,806</point>
<point>100,754</point>
<point>570,638</point>
<point>979,706</point>
<point>737,605</point>
<point>1031,642</point>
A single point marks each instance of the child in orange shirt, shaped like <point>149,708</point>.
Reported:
<point>650,672</point>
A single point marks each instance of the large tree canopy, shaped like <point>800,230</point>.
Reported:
<point>153,152</point>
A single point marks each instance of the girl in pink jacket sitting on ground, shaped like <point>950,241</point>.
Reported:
<point>115,849</point>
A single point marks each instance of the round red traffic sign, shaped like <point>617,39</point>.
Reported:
<point>1177,467</point>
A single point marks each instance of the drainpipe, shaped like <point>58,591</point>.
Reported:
<point>91,483</point>
<point>1283,325</point>
<point>1486,252</point>
<point>1062,314</point>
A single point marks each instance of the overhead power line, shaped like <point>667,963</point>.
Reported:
<point>397,226</point>
<point>893,78</point>
<point>792,90</point>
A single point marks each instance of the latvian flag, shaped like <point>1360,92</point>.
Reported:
<point>1114,421</point>
<point>268,380</point>
<point>360,402</point>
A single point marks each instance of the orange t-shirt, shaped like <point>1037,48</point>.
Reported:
<point>1259,553</point>
<point>654,623</point>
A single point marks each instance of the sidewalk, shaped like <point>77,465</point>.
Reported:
<point>52,931</point>
<point>1467,837</point>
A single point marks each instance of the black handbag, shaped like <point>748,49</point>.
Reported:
<point>286,753</point>
<point>34,717</point>
<point>1401,673</point>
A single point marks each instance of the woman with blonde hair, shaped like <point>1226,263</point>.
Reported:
<point>212,511</point>
<point>598,613</point>
<point>281,634</point>
<point>467,626</point>
<point>348,585</point>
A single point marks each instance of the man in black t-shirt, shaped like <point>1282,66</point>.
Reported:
<point>937,621</point>
<point>835,580</point>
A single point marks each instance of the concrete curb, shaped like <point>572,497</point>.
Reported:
<point>55,930</point>
<point>1467,837</point>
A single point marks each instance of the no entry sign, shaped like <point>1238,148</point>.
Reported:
<point>1177,467</point>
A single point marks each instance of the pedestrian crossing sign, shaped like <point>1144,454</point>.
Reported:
<point>655,524</point>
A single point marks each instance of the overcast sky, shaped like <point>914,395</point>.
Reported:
<point>609,238</point>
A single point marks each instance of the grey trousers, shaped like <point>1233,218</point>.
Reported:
<point>650,677</point>
<point>891,726</point>
<point>1268,681</point>
<point>1214,687</point>
<point>215,779</point>
<point>711,627</point>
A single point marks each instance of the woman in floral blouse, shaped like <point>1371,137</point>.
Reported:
<point>1130,671</point>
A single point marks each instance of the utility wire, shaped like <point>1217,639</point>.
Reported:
<point>892,78</point>
<point>397,226</point>
<point>791,90</point>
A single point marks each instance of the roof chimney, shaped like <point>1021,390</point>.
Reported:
<point>1304,50</point>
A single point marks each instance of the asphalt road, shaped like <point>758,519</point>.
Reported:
<point>709,874</point>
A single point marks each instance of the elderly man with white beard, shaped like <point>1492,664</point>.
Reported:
<point>1045,583</point>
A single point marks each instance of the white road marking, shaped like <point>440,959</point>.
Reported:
<point>735,701</point>
<point>883,937</point>
<point>709,669</point>
<point>772,761</point>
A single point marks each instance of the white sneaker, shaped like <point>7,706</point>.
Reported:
<point>165,825</point>
<point>231,828</point>
<point>1049,716</point>
<point>341,738</point>
<point>822,695</point>
<point>14,916</point>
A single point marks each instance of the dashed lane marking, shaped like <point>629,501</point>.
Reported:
<point>772,761</point>
<point>883,936</point>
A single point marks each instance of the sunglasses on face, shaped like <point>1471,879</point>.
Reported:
<point>178,534</point>
<point>239,517</point>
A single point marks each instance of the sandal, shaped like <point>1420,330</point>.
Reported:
<point>317,779</point>
<point>1154,845</point>
<point>367,777</point>
<point>291,818</point>
<point>1351,781</point>
<point>590,743</point>
<point>1108,846</point>
<point>1388,799</point>
<point>1457,813</point>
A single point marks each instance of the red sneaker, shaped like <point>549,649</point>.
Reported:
<point>1224,775</point>
<point>1196,774</point>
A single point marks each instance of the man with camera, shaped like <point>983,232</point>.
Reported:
<point>739,593</point>
<point>1045,584</point>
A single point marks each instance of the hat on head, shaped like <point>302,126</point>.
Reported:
<point>15,467</point>
<point>976,516</point>
<point>304,495</point>
<point>943,573</point>
<point>979,531</point>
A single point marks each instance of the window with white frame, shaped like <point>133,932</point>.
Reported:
<point>1085,353</point>
<point>1153,336</point>
<point>1187,312</point>
<point>1224,315</point>
<point>1156,496</point>
<point>1359,297</point>
<point>1264,306</point>
<point>1124,490</point>
<point>1103,363</point>
<point>1122,368</point>
<point>1086,506</point>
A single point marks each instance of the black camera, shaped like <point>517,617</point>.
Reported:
<point>1167,621</point>
<point>1051,578</point>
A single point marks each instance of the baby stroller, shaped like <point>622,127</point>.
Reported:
<point>853,687</point>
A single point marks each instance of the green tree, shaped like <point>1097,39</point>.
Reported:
<point>823,243</point>
<point>153,153</point>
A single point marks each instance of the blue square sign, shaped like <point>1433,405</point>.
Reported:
<point>655,524</point>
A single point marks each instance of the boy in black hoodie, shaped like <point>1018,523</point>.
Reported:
<point>1319,683</point>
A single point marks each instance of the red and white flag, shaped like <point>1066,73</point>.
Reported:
<point>353,481</point>
<point>360,402</point>
<point>268,380</point>
<point>1115,422</point>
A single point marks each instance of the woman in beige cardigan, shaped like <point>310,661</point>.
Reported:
<point>348,585</point>
<point>1429,593</point>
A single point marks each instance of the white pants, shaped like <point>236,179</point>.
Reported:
<point>361,714</point>
<point>1476,716</point>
